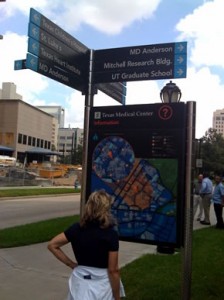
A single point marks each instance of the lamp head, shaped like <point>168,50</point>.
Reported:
<point>170,93</point>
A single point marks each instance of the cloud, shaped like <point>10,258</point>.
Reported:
<point>137,93</point>
<point>105,16</point>
<point>13,6</point>
<point>28,82</point>
<point>109,17</point>
<point>205,88</point>
<point>204,31</point>
<point>74,112</point>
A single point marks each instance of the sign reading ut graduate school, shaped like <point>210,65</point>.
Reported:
<point>149,62</point>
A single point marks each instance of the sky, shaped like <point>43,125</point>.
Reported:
<point>101,24</point>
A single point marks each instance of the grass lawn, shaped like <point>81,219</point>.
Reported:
<point>151,277</point>
<point>33,233</point>
<point>159,277</point>
<point>36,191</point>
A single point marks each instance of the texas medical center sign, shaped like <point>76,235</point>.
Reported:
<point>54,53</point>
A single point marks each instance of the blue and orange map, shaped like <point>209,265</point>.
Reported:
<point>144,190</point>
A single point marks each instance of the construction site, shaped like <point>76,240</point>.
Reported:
<point>39,174</point>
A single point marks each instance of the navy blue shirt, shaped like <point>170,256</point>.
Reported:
<point>91,244</point>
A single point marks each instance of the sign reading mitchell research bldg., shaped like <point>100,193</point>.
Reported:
<point>161,61</point>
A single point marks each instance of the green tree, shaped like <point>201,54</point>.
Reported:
<point>53,148</point>
<point>78,154</point>
<point>212,151</point>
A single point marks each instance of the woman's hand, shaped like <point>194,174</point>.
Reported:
<point>55,247</point>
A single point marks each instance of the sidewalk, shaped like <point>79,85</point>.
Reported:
<point>32,272</point>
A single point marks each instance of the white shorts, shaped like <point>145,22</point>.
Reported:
<point>89,283</point>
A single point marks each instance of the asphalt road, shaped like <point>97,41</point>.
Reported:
<point>20,211</point>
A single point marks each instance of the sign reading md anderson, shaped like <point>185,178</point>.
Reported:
<point>150,62</point>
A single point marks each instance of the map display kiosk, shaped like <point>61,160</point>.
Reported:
<point>136,153</point>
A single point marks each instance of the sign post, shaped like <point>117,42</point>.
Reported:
<point>188,216</point>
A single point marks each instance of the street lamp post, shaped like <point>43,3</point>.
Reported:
<point>170,93</point>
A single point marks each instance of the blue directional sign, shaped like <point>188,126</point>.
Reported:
<point>116,90</point>
<point>56,45</point>
<point>72,66</point>
<point>20,64</point>
<point>56,54</point>
<point>150,62</point>
<point>55,31</point>
<point>52,44</point>
<point>41,66</point>
<point>58,50</point>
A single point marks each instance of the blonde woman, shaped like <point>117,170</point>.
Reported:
<point>95,245</point>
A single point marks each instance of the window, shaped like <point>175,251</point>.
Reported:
<point>24,139</point>
<point>20,138</point>
<point>38,142</point>
<point>29,140</point>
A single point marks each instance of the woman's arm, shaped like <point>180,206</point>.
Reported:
<point>55,247</point>
<point>114,274</point>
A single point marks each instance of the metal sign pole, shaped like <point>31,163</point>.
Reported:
<point>188,230</point>
<point>88,105</point>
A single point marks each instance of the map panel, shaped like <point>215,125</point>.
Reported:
<point>140,165</point>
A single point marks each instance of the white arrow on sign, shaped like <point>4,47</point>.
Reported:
<point>17,65</point>
<point>180,47</point>
<point>180,72</point>
<point>180,59</point>
<point>36,18</point>
<point>35,32</point>
<point>34,47</point>
<point>33,61</point>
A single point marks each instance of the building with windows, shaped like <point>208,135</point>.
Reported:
<point>218,121</point>
<point>23,127</point>
<point>57,112</point>
<point>69,139</point>
<point>28,129</point>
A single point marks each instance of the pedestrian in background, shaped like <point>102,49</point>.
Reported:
<point>206,195</point>
<point>197,197</point>
<point>218,201</point>
<point>95,245</point>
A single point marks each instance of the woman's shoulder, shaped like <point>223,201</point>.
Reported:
<point>73,227</point>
